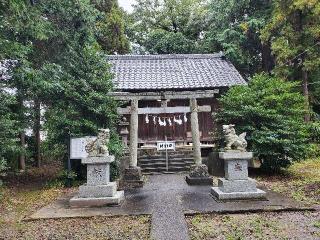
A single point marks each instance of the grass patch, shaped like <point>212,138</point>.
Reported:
<point>257,226</point>
<point>301,181</point>
<point>308,169</point>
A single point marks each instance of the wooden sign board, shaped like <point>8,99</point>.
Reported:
<point>78,147</point>
<point>166,145</point>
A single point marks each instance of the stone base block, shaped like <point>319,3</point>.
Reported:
<point>78,202</point>
<point>132,174</point>
<point>108,190</point>
<point>130,184</point>
<point>229,186</point>
<point>132,178</point>
<point>103,159</point>
<point>199,171</point>
<point>258,194</point>
<point>199,180</point>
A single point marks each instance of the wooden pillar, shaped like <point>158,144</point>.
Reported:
<point>195,131</point>
<point>134,133</point>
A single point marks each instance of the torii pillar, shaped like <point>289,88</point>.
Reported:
<point>199,172</point>
<point>132,177</point>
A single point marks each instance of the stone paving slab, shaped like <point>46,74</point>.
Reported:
<point>168,198</point>
<point>193,199</point>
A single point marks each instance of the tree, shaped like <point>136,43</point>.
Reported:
<point>20,25</point>
<point>77,76</point>
<point>59,66</point>
<point>110,27</point>
<point>162,42</point>
<point>9,146</point>
<point>235,28</point>
<point>271,111</point>
<point>295,32</point>
<point>173,19</point>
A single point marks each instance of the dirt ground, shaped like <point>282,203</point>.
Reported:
<point>27,192</point>
<point>301,182</point>
<point>79,228</point>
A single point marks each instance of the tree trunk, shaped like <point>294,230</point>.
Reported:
<point>37,128</point>
<point>22,136</point>
<point>303,72</point>
<point>305,91</point>
<point>267,58</point>
<point>22,157</point>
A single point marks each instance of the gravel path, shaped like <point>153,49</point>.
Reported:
<point>168,221</point>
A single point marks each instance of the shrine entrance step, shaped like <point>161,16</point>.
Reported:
<point>155,162</point>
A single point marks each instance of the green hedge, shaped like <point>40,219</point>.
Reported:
<point>271,111</point>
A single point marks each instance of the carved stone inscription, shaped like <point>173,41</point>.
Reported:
<point>238,167</point>
<point>97,174</point>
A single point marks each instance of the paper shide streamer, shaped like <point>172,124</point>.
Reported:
<point>164,121</point>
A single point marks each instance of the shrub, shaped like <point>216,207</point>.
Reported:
<point>271,111</point>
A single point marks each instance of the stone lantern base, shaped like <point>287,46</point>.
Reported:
<point>98,191</point>
<point>236,184</point>
<point>199,175</point>
<point>132,178</point>
<point>80,202</point>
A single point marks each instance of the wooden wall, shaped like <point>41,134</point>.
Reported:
<point>150,132</point>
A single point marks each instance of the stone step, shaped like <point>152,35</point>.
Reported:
<point>163,159</point>
<point>163,156</point>
<point>155,162</point>
<point>163,169</point>
<point>151,164</point>
<point>164,165</point>
<point>165,172</point>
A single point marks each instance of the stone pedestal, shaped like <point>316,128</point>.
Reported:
<point>236,184</point>
<point>98,191</point>
<point>132,178</point>
<point>199,175</point>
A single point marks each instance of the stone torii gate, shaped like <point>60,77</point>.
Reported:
<point>199,173</point>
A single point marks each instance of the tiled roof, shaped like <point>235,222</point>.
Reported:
<point>168,72</point>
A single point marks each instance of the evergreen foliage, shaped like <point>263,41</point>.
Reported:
<point>59,63</point>
<point>110,27</point>
<point>163,42</point>
<point>271,111</point>
<point>235,28</point>
<point>294,29</point>
<point>8,129</point>
<point>179,23</point>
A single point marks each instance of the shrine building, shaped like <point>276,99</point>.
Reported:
<point>169,98</point>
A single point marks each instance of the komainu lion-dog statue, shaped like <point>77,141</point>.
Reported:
<point>99,147</point>
<point>233,141</point>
